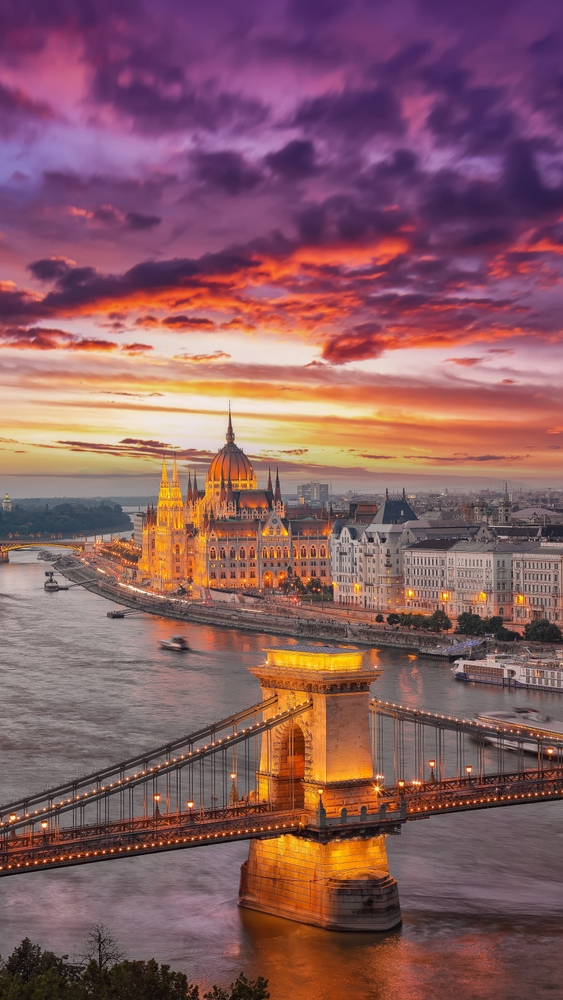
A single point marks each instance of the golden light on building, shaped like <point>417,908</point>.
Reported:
<point>482,597</point>
<point>519,599</point>
<point>411,593</point>
<point>445,595</point>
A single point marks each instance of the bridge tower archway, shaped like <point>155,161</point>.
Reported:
<point>321,763</point>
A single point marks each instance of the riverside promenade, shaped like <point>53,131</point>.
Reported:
<point>328,624</point>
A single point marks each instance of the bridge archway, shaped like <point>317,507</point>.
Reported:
<point>289,792</point>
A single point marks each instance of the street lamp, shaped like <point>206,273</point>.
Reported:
<point>156,798</point>
<point>401,784</point>
<point>44,826</point>
<point>432,765</point>
<point>468,771</point>
<point>190,805</point>
<point>234,790</point>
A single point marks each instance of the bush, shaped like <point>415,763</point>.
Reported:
<point>379,618</point>
<point>507,635</point>
<point>542,630</point>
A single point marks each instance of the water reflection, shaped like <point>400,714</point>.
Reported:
<point>482,893</point>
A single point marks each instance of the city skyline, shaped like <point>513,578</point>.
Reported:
<point>343,217</point>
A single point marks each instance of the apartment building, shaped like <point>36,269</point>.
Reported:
<point>537,573</point>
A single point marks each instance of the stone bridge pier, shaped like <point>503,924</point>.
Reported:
<point>321,763</point>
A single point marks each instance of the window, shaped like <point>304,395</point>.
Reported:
<point>232,554</point>
<point>265,553</point>
<point>323,551</point>
<point>252,553</point>
<point>222,554</point>
<point>213,574</point>
<point>212,553</point>
<point>233,574</point>
<point>286,552</point>
<point>242,554</point>
<point>303,552</point>
<point>313,552</point>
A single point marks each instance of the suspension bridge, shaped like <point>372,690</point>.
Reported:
<point>315,776</point>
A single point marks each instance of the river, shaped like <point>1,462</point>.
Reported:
<point>481,893</point>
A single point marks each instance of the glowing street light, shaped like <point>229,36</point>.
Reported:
<point>432,765</point>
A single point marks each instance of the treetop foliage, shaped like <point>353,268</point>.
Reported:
<point>63,519</point>
<point>104,974</point>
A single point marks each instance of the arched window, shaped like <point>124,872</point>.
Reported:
<point>295,553</point>
<point>323,552</point>
<point>286,552</point>
<point>232,554</point>
<point>177,550</point>
<point>252,553</point>
<point>242,554</point>
<point>213,553</point>
<point>313,552</point>
<point>265,553</point>
<point>277,554</point>
<point>222,554</point>
<point>303,552</point>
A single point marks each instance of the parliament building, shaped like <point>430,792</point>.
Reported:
<point>231,535</point>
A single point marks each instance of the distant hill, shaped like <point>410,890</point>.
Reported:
<point>64,519</point>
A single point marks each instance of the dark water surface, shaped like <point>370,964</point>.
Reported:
<point>481,894</point>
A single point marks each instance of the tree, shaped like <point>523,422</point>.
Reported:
<point>439,621</point>
<point>393,619</point>
<point>379,618</point>
<point>100,947</point>
<point>469,624</point>
<point>542,630</point>
<point>241,989</point>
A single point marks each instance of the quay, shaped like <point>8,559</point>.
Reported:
<point>274,619</point>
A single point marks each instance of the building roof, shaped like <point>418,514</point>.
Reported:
<point>231,464</point>
<point>435,544</point>
<point>395,511</point>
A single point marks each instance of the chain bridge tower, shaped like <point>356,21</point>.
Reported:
<point>320,762</point>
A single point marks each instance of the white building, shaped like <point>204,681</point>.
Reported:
<point>537,573</point>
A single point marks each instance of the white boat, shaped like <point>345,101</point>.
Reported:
<point>176,642</point>
<point>522,669</point>
<point>544,726</point>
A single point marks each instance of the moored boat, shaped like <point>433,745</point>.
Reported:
<point>175,642</point>
<point>534,671</point>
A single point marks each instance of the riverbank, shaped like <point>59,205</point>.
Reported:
<point>291,622</point>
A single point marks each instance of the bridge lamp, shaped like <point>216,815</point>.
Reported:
<point>44,824</point>
<point>432,765</point>
<point>233,775</point>
<point>550,752</point>
<point>401,784</point>
<point>468,771</point>
<point>12,817</point>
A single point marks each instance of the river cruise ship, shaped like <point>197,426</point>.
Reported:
<point>537,672</point>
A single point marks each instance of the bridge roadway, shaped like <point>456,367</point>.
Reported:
<point>62,847</point>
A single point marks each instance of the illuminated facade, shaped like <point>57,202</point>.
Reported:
<point>234,535</point>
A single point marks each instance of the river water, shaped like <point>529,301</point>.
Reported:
<point>481,894</point>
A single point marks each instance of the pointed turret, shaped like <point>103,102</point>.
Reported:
<point>269,486</point>
<point>223,492</point>
<point>277,490</point>
<point>230,431</point>
<point>195,491</point>
<point>404,494</point>
<point>230,498</point>
<point>189,497</point>
<point>164,489</point>
<point>175,488</point>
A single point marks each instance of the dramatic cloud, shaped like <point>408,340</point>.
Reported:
<point>321,209</point>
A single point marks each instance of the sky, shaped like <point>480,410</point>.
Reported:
<point>344,216</point>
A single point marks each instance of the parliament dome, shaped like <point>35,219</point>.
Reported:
<point>230,463</point>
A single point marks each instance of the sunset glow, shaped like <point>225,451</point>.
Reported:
<point>345,217</point>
